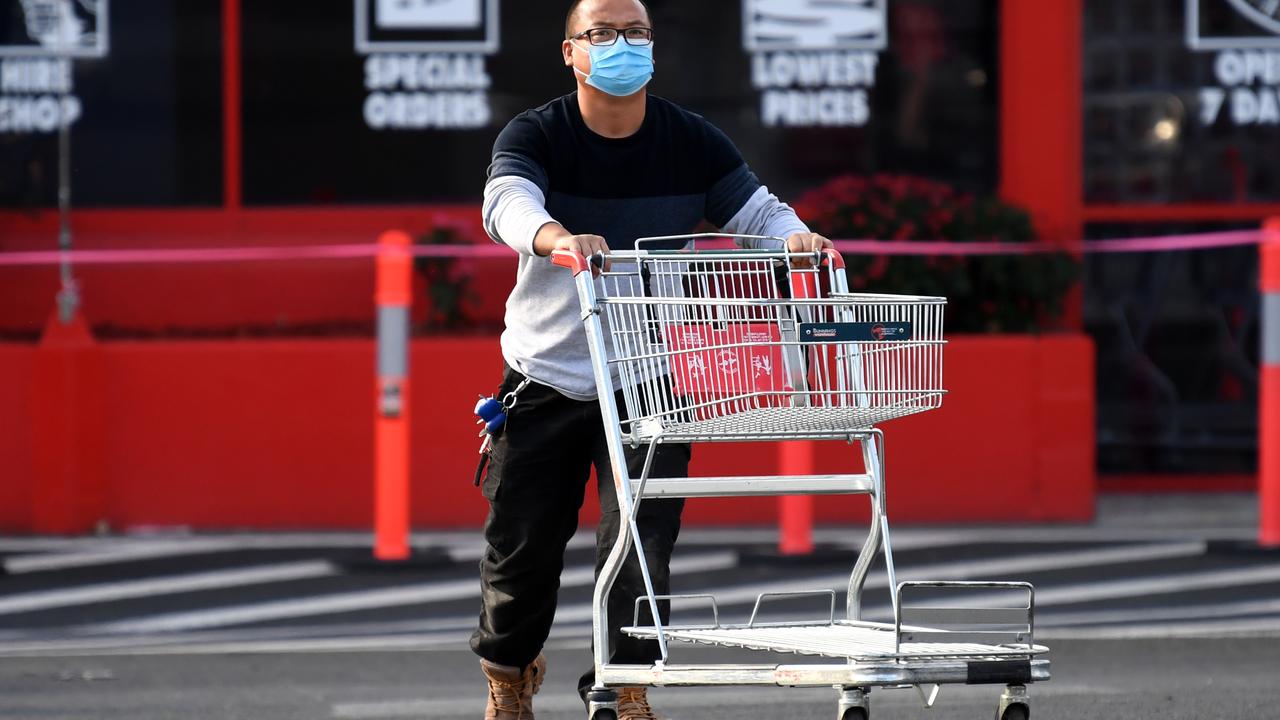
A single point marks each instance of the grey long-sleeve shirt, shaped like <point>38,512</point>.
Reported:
<point>676,171</point>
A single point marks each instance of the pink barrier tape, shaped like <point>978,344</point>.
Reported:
<point>1165,243</point>
<point>1205,241</point>
<point>203,255</point>
<point>1148,244</point>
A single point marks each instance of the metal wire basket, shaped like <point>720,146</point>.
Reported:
<point>751,345</point>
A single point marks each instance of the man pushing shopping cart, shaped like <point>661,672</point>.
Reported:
<point>586,173</point>
<point>623,358</point>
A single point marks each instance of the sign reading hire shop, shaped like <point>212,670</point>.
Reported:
<point>1247,64</point>
<point>36,82</point>
<point>814,61</point>
<point>425,62</point>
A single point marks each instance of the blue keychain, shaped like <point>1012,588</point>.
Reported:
<point>493,415</point>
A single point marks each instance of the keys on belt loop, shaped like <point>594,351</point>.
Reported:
<point>492,413</point>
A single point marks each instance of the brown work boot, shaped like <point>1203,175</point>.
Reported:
<point>511,689</point>
<point>633,704</point>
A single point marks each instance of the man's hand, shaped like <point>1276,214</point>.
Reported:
<point>806,243</point>
<point>553,236</point>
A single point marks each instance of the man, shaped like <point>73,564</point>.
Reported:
<point>589,171</point>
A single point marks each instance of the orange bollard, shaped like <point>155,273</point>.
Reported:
<point>795,512</point>
<point>1269,393</point>
<point>391,406</point>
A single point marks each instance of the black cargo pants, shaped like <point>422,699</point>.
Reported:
<point>535,485</point>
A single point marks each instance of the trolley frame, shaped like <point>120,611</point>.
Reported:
<point>987,645</point>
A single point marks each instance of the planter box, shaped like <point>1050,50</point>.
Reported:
<point>278,435</point>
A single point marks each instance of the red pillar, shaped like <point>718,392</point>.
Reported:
<point>231,127</point>
<point>1041,143</point>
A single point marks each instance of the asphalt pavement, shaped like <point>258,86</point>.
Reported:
<point>1158,609</point>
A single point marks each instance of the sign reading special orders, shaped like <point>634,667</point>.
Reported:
<point>424,66</point>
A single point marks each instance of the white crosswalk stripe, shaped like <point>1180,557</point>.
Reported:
<point>420,593</point>
<point>169,585</point>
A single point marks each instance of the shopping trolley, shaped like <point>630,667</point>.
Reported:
<point>767,345</point>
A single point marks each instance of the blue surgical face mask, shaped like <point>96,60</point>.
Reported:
<point>619,69</point>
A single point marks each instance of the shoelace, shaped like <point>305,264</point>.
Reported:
<point>514,692</point>
<point>511,699</point>
<point>633,704</point>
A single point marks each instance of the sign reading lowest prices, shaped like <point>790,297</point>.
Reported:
<point>814,61</point>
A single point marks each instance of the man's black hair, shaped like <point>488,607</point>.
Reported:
<point>573,10</point>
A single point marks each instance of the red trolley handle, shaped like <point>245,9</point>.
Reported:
<point>576,261</point>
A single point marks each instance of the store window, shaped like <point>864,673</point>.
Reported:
<point>1181,101</point>
<point>1177,354</point>
<point>370,102</point>
<point>141,94</point>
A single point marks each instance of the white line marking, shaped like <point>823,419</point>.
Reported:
<point>912,538</point>
<point>583,576</point>
<point>1231,610</point>
<point>1259,627</point>
<point>1056,624</point>
<point>971,569</point>
<point>45,544</point>
<point>130,589</point>
<point>1136,587</point>
<point>747,594</point>
<point>420,593</point>
<point>129,552</point>
<point>564,636</point>
<point>906,537</point>
<point>573,621</point>
<point>1112,589</point>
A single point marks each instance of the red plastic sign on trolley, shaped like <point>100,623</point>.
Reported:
<point>1269,400</point>
<point>391,423</point>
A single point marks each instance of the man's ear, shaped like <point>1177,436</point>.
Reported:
<point>566,51</point>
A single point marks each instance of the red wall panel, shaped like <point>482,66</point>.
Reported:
<point>240,434</point>
<point>15,436</point>
<point>278,434</point>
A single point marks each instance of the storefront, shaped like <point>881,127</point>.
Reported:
<point>226,123</point>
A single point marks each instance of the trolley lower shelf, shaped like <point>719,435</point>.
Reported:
<point>862,655</point>
<point>864,641</point>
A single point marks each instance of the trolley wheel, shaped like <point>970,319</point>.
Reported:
<point>1016,711</point>
<point>602,704</point>
<point>856,713</point>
